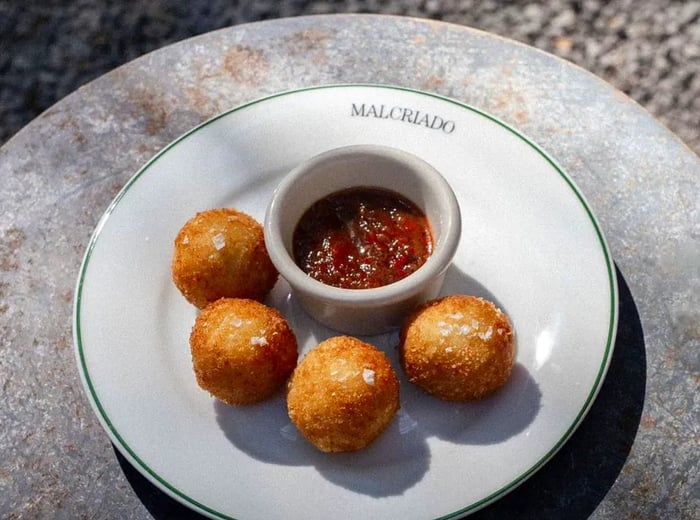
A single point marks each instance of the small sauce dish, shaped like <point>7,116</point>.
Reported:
<point>379,309</point>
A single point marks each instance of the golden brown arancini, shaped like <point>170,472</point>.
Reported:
<point>343,394</point>
<point>221,253</point>
<point>242,351</point>
<point>458,348</point>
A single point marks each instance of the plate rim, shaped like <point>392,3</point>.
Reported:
<point>181,496</point>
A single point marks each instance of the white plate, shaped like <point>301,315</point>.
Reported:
<point>530,242</point>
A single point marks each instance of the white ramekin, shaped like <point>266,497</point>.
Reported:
<point>363,311</point>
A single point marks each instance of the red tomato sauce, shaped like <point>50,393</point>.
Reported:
<point>362,238</point>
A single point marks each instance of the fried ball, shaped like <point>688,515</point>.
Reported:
<point>242,351</point>
<point>458,348</point>
<point>221,253</point>
<point>343,394</point>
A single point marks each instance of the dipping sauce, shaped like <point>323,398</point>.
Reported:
<point>362,238</point>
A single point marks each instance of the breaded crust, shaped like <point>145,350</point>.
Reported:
<point>221,253</point>
<point>343,394</point>
<point>458,348</point>
<point>242,350</point>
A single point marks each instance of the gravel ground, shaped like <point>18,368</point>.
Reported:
<point>649,49</point>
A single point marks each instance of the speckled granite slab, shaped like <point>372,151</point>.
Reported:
<point>635,455</point>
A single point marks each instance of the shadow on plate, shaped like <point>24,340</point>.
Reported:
<point>393,463</point>
<point>400,457</point>
<point>570,485</point>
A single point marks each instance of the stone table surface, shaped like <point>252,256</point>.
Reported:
<point>636,454</point>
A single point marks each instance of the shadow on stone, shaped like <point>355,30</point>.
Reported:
<point>159,504</point>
